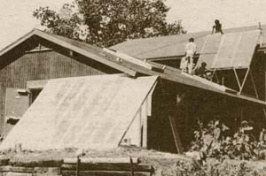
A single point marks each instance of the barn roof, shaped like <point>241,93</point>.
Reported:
<point>131,66</point>
<point>171,46</point>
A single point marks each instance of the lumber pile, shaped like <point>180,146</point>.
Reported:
<point>76,167</point>
<point>105,167</point>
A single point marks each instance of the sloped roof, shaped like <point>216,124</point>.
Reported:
<point>83,112</point>
<point>231,50</point>
<point>125,66</point>
<point>170,46</point>
<point>89,51</point>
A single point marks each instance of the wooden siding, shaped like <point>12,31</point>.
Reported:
<point>15,73</point>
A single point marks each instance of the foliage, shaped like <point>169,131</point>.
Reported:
<point>224,168</point>
<point>108,22</point>
<point>213,142</point>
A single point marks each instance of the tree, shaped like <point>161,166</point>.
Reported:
<point>108,22</point>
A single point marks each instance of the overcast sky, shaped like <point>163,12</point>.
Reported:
<point>196,15</point>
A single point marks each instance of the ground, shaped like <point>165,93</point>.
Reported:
<point>164,163</point>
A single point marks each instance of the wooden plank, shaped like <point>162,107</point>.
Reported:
<point>85,53</point>
<point>41,163</point>
<point>244,81</point>
<point>18,174</point>
<point>176,135</point>
<point>237,79</point>
<point>21,169</point>
<point>128,58</point>
<point>108,166</point>
<point>47,170</point>
<point>4,168</point>
<point>145,123</point>
<point>254,85</point>
<point>104,173</point>
<point>36,84</point>
<point>118,160</point>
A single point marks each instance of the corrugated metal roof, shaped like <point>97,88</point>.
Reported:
<point>236,50</point>
<point>83,112</point>
<point>246,49</point>
<point>232,50</point>
<point>209,49</point>
<point>170,46</point>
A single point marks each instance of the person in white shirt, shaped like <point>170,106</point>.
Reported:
<point>191,49</point>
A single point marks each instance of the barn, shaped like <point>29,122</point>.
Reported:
<point>66,93</point>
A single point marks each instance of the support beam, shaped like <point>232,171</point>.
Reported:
<point>145,124</point>
<point>237,79</point>
<point>254,86</point>
<point>176,135</point>
<point>214,74</point>
<point>244,81</point>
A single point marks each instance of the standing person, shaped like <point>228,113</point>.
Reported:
<point>190,49</point>
<point>217,27</point>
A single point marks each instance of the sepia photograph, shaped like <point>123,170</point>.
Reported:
<point>133,88</point>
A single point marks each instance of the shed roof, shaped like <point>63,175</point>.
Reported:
<point>171,46</point>
<point>82,112</point>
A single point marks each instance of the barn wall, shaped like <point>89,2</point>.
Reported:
<point>40,66</point>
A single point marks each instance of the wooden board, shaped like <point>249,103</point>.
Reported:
<point>108,167</point>
<point>117,160</point>
<point>105,173</point>
<point>176,135</point>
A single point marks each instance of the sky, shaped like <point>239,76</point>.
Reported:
<point>196,15</point>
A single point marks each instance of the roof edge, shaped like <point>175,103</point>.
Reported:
<point>65,44</point>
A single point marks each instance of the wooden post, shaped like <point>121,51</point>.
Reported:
<point>132,167</point>
<point>140,127</point>
<point>244,81</point>
<point>265,83</point>
<point>145,124</point>
<point>254,86</point>
<point>78,163</point>
<point>237,79</point>
<point>176,135</point>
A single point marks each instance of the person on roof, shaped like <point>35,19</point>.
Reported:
<point>202,71</point>
<point>217,28</point>
<point>191,49</point>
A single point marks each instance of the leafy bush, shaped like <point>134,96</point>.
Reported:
<point>211,141</point>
